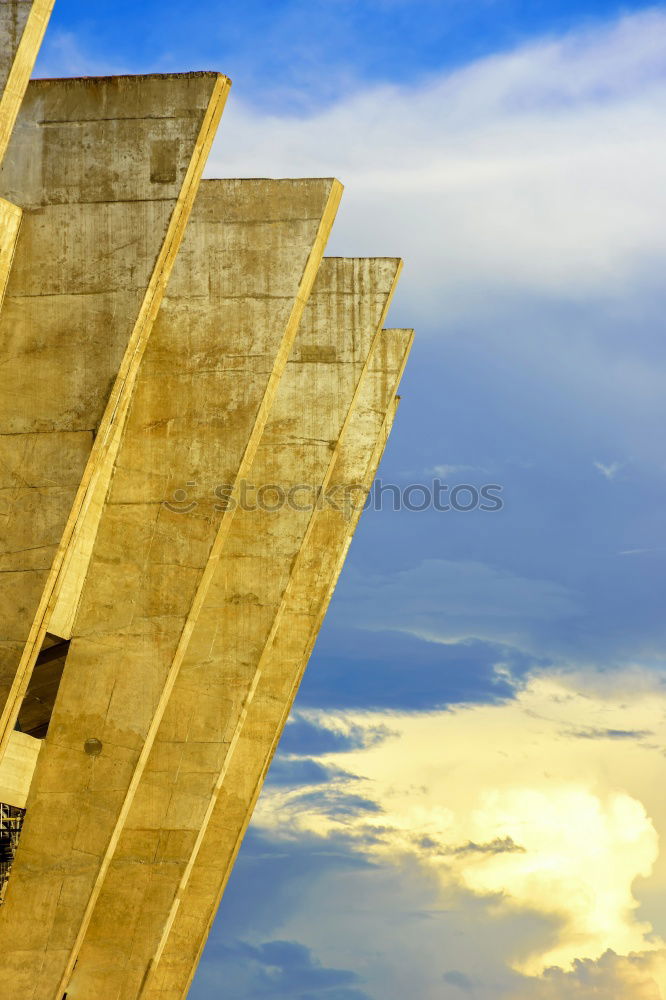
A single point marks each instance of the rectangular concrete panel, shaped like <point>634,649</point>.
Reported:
<point>311,588</point>
<point>22,27</point>
<point>186,766</point>
<point>203,391</point>
<point>106,172</point>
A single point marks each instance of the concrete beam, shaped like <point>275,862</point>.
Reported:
<point>186,767</point>
<point>22,27</point>
<point>284,663</point>
<point>10,222</point>
<point>17,769</point>
<point>201,398</point>
<point>106,172</point>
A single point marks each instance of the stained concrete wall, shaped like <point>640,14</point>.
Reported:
<point>312,585</point>
<point>202,395</point>
<point>239,615</point>
<point>22,27</point>
<point>106,171</point>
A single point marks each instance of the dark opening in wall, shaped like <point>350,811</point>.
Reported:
<point>40,697</point>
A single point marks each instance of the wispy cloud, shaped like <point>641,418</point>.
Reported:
<point>535,171</point>
<point>608,471</point>
<point>446,600</point>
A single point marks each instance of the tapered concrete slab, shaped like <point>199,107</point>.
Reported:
<point>106,172</point>
<point>283,665</point>
<point>186,766</point>
<point>203,392</point>
<point>22,27</point>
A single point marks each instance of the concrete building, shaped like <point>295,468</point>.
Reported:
<point>189,384</point>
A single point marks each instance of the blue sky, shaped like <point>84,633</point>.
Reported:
<point>486,704</point>
<point>302,53</point>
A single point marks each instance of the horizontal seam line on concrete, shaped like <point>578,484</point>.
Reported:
<point>28,209</point>
<point>115,118</point>
<point>85,430</point>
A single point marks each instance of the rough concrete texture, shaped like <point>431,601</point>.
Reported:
<point>246,267</point>
<point>18,767</point>
<point>312,585</point>
<point>106,171</point>
<point>22,27</point>
<point>203,390</point>
<point>186,766</point>
<point>10,221</point>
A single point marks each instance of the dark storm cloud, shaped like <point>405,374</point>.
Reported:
<point>390,670</point>
<point>305,737</point>
<point>287,969</point>
<point>288,772</point>
<point>277,873</point>
<point>459,979</point>
<point>501,845</point>
<point>267,885</point>
<point>331,802</point>
<point>636,735</point>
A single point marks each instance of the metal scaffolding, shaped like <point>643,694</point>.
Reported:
<point>11,822</point>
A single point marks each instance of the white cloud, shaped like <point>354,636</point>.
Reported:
<point>608,471</point>
<point>525,192</point>
<point>64,55</point>
<point>538,171</point>
<point>447,471</point>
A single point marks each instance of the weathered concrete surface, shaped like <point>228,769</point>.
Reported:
<point>10,222</point>
<point>106,172</point>
<point>203,391</point>
<point>17,769</point>
<point>186,765</point>
<point>22,27</point>
<point>283,665</point>
<point>258,238</point>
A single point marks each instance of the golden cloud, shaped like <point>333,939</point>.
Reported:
<point>549,804</point>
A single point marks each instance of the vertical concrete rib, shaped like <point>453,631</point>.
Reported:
<point>106,171</point>
<point>312,586</point>
<point>202,395</point>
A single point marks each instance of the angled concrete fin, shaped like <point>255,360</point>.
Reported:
<point>185,769</point>
<point>10,222</point>
<point>106,171</point>
<point>312,585</point>
<point>22,27</point>
<point>202,394</point>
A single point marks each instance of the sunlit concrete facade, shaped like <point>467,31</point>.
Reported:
<point>196,403</point>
